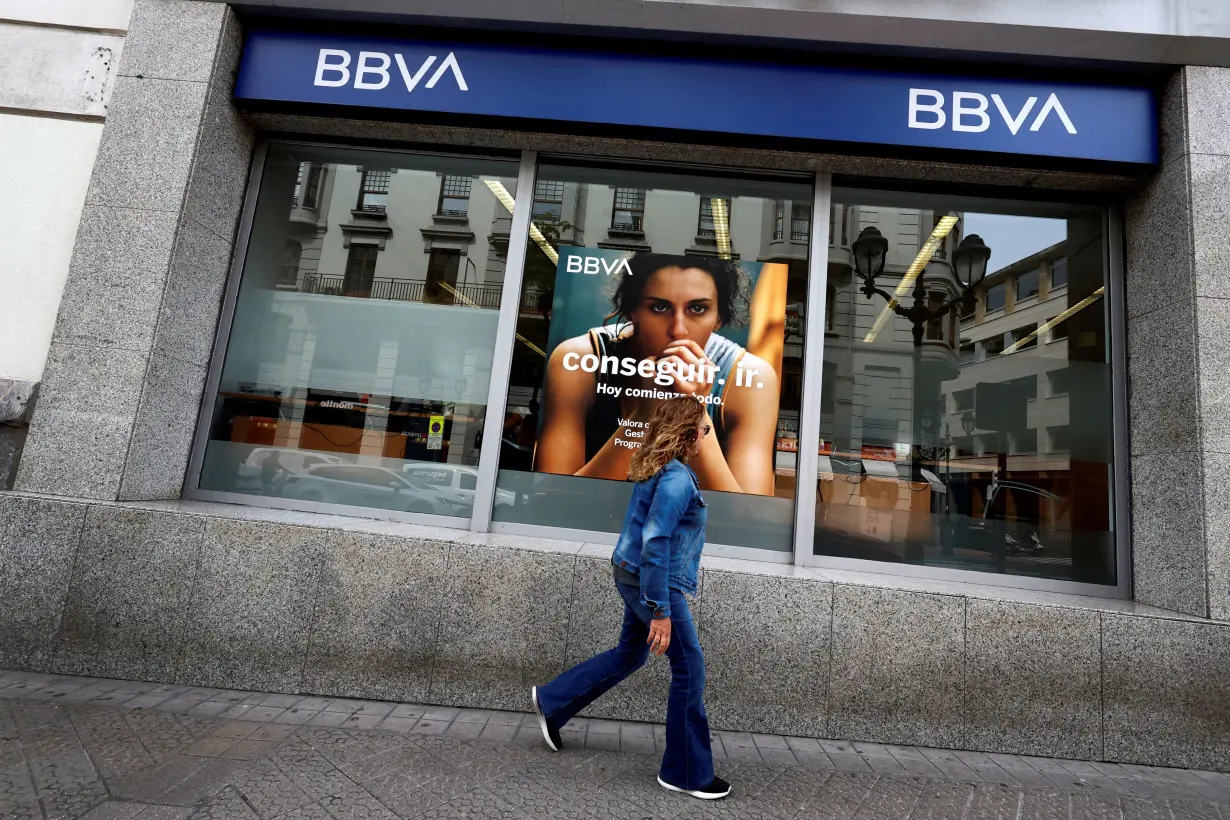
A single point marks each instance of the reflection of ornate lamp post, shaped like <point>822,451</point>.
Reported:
<point>969,267</point>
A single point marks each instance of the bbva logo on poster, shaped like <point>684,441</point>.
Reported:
<point>969,112</point>
<point>592,265</point>
<point>371,70</point>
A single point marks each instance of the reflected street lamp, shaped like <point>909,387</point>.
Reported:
<point>969,267</point>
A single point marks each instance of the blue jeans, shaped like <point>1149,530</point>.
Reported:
<point>688,760</point>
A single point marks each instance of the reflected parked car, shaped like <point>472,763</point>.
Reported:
<point>454,478</point>
<point>276,465</point>
<point>363,486</point>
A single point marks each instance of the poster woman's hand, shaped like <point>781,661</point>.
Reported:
<point>686,356</point>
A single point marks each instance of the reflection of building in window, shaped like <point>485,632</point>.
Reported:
<point>441,276</point>
<point>936,327</point>
<point>292,255</point>
<point>628,212</point>
<point>1059,331</point>
<point>1024,333</point>
<point>967,352</point>
<point>963,400</point>
<point>548,200</point>
<point>705,225</point>
<point>992,346</point>
<point>1023,442</point>
<point>779,219</point>
<point>307,185</point>
<point>1057,382</point>
<point>1027,285</point>
<point>800,222</point>
<point>1025,387</point>
<point>360,270</point>
<point>986,444</point>
<point>454,195</point>
<point>374,191</point>
<point>1059,273</point>
<point>1057,439</point>
<point>828,387</point>
<point>968,308</point>
<point>996,297</point>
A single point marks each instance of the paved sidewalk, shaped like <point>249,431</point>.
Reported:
<point>112,750</point>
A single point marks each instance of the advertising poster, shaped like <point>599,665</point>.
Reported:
<point>629,330</point>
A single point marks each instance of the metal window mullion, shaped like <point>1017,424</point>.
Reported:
<point>1116,326</point>
<point>505,342</point>
<point>807,459</point>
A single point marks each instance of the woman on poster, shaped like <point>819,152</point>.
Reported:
<point>600,393</point>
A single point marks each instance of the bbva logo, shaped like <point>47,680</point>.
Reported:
<point>371,70</point>
<point>592,264</point>
<point>969,111</point>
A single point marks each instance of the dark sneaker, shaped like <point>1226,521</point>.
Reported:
<point>716,790</point>
<point>549,733</point>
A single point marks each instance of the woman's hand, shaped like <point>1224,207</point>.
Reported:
<point>659,635</point>
<point>686,355</point>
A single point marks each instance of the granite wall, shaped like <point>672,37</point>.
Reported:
<point>227,596</point>
<point>137,321</point>
<point>1178,343</point>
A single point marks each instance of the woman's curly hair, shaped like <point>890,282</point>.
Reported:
<point>733,284</point>
<point>671,434</point>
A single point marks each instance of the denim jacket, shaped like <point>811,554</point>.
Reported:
<point>663,535</point>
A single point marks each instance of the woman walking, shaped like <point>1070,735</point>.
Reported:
<point>655,562</point>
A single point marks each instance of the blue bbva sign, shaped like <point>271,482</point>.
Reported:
<point>972,113</point>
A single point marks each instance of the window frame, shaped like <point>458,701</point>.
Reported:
<point>986,298</point>
<point>706,204</point>
<point>1036,273</point>
<point>549,199</point>
<point>242,248</point>
<point>638,212</point>
<point>797,235</point>
<point>814,349</point>
<point>365,190</point>
<point>450,179</point>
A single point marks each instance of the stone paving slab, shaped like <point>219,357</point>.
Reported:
<point>114,750</point>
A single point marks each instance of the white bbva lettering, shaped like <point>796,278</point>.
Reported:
<point>1014,123</point>
<point>371,72</point>
<point>936,107</point>
<point>450,62</point>
<point>573,265</point>
<point>1053,104</point>
<point>616,265</point>
<point>960,111</point>
<point>366,68</point>
<point>412,82</point>
<point>970,111</point>
<point>342,68</point>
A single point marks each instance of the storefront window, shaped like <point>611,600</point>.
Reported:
<point>1014,475</point>
<point>628,318</point>
<point>362,379</point>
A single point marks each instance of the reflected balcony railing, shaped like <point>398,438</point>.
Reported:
<point>409,290</point>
